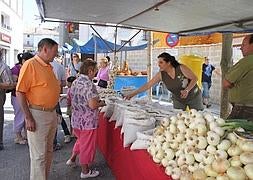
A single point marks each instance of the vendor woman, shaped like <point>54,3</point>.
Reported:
<point>179,80</point>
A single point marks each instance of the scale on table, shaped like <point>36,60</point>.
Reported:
<point>127,89</point>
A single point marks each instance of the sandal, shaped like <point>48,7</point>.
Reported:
<point>20,141</point>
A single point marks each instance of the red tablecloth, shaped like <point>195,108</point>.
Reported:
<point>126,164</point>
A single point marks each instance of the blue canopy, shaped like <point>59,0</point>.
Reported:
<point>102,46</point>
<point>69,48</point>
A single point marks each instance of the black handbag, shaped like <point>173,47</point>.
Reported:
<point>102,83</point>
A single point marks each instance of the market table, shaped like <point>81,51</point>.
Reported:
<point>134,82</point>
<point>124,163</point>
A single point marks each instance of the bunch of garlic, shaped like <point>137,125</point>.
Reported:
<point>192,144</point>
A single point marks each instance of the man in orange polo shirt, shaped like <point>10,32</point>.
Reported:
<point>38,93</point>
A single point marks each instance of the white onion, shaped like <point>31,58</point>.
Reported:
<point>209,159</point>
<point>234,150</point>
<point>160,154</point>
<point>173,128</point>
<point>220,121</point>
<point>232,137</point>
<point>199,174</point>
<point>213,125</point>
<point>165,122</point>
<point>168,170</point>
<point>235,161</point>
<point>236,173</point>
<point>246,158</point>
<point>189,159</point>
<point>221,154</point>
<point>176,173</point>
<point>222,177</point>
<point>173,119</point>
<point>220,165</point>
<point>181,160</point>
<point>210,172</point>
<point>165,162</point>
<point>201,142</point>
<point>218,130</point>
<point>247,146</point>
<point>156,160</point>
<point>211,149</point>
<point>166,145</point>
<point>249,170</point>
<point>169,154</point>
<point>213,138</point>
<point>209,117</point>
<point>201,129</point>
<point>224,144</point>
<point>186,176</point>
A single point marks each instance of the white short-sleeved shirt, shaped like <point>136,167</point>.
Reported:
<point>59,71</point>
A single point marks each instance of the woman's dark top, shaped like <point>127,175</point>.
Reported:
<point>180,82</point>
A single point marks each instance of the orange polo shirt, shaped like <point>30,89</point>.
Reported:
<point>38,82</point>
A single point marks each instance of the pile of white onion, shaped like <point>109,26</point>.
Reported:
<point>192,145</point>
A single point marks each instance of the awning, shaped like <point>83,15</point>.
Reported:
<point>98,45</point>
<point>174,16</point>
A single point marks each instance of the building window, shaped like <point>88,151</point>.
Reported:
<point>2,20</point>
<point>5,21</point>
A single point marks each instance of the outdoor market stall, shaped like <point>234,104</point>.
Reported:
<point>183,144</point>
<point>126,164</point>
<point>214,153</point>
<point>125,78</point>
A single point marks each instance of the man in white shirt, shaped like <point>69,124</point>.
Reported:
<point>60,74</point>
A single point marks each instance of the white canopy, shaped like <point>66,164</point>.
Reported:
<point>175,16</point>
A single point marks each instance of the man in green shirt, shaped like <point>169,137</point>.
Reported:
<point>239,82</point>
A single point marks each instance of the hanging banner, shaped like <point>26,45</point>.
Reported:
<point>161,40</point>
<point>197,40</point>
<point>166,40</point>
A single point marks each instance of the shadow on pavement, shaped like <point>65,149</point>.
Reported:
<point>14,159</point>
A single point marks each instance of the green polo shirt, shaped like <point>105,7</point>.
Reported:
<point>241,75</point>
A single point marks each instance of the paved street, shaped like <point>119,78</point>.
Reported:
<point>14,159</point>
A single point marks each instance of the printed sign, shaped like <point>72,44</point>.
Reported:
<point>172,40</point>
<point>5,38</point>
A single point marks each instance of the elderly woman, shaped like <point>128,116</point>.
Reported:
<point>103,73</point>
<point>85,103</point>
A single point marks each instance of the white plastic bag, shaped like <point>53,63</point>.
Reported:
<point>115,113</point>
<point>132,126</point>
<point>140,144</point>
